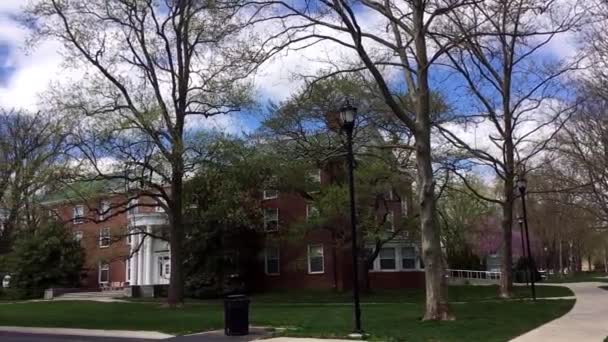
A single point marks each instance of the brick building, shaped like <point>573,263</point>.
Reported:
<point>119,254</point>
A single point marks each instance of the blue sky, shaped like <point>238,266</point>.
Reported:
<point>26,72</point>
<point>7,69</point>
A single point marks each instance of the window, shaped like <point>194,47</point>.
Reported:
<point>128,270</point>
<point>396,257</point>
<point>387,258</point>
<point>271,219</point>
<point>104,273</point>
<point>408,258</point>
<point>161,204</point>
<point>316,262</point>
<point>78,216</point>
<point>311,211</point>
<point>403,207</point>
<point>390,221</point>
<point>104,210</point>
<point>78,235</point>
<point>129,236</point>
<point>132,207</point>
<point>315,176</point>
<point>105,237</point>
<point>271,260</point>
<point>270,194</point>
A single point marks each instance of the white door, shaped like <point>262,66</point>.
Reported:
<point>164,269</point>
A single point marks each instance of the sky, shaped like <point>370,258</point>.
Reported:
<point>26,71</point>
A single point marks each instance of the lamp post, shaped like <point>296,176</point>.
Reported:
<point>348,114</point>
<point>521,185</point>
<point>520,220</point>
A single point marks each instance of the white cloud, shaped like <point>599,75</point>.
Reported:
<point>34,67</point>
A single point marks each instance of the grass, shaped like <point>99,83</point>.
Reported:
<point>456,294</point>
<point>578,278</point>
<point>476,321</point>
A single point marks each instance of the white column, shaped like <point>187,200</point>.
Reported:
<point>148,257</point>
<point>133,262</point>
<point>140,259</point>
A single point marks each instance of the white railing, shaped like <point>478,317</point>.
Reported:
<point>471,274</point>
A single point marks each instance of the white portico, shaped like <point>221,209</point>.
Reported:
<point>150,257</point>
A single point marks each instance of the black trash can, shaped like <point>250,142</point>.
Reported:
<point>236,315</point>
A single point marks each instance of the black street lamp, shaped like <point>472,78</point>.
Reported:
<point>521,185</point>
<point>348,114</point>
<point>520,220</point>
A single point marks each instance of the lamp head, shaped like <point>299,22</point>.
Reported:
<point>348,114</point>
<point>522,184</point>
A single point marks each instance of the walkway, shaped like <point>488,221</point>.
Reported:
<point>586,322</point>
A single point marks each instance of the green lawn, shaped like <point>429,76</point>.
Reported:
<point>578,278</point>
<point>476,321</point>
<point>456,294</point>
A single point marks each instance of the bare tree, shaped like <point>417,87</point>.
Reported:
<point>519,102</point>
<point>388,38</point>
<point>31,158</point>
<point>152,71</point>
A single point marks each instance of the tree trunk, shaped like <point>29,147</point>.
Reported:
<point>437,307</point>
<point>605,260</point>
<point>176,281</point>
<point>506,265</point>
<point>561,257</point>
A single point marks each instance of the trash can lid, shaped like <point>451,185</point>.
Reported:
<point>237,296</point>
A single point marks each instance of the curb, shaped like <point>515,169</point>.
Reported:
<point>151,335</point>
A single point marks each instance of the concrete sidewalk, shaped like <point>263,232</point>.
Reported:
<point>148,335</point>
<point>256,334</point>
<point>586,322</point>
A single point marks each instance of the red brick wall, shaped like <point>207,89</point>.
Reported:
<point>118,250</point>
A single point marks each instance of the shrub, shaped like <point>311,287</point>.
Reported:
<point>44,258</point>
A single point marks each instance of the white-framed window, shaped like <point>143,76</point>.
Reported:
<point>316,259</point>
<point>78,214</point>
<point>159,206</point>
<point>271,219</point>
<point>104,210</point>
<point>388,258</point>
<point>390,221</point>
<point>105,237</point>
<point>104,272</point>
<point>78,235</point>
<point>133,207</point>
<point>396,258</point>
<point>408,258</point>
<point>270,194</point>
<point>315,176</point>
<point>403,207</point>
<point>272,260</point>
<point>311,211</point>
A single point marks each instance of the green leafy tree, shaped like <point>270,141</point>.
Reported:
<point>459,211</point>
<point>379,191</point>
<point>224,214</point>
<point>46,257</point>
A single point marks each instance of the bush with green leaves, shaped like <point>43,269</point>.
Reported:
<point>45,257</point>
